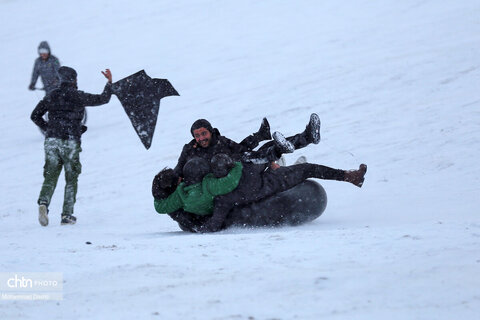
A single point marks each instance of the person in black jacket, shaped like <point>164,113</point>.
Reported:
<point>257,184</point>
<point>65,107</point>
<point>208,142</point>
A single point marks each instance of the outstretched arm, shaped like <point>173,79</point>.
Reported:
<point>88,99</point>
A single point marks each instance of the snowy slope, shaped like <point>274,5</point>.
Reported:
<point>396,86</point>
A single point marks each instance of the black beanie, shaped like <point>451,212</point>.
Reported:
<point>201,123</point>
<point>194,170</point>
<point>67,75</point>
<point>221,165</point>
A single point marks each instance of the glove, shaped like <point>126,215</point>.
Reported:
<point>31,86</point>
<point>83,129</point>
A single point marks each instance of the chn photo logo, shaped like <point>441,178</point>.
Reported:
<point>19,282</point>
<point>31,286</point>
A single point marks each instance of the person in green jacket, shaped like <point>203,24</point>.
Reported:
<point>198,190</point>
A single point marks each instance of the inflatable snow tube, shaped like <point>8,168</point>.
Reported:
<point>301,204</point>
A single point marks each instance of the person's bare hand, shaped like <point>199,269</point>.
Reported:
<point>274,165</point>
<point>108,75</point>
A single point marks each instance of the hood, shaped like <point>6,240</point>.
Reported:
<point>44,45</point>
<point>67,75</point>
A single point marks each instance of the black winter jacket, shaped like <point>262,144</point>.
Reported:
<point>66,108</point>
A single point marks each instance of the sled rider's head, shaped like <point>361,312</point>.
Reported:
<point>202,132</point>
<point>194,170</point>
<point>221,164</point>
<point>164,184</point>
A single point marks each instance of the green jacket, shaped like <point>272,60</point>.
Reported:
<point>198,198</point>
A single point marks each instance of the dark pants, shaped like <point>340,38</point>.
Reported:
<point>269,152</point>
<point>257,183</point>
<point>299,141</point>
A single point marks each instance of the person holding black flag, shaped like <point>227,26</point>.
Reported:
<point>65,107</point>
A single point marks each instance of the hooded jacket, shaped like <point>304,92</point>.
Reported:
<point>46,69</point>
<point>66,108</point>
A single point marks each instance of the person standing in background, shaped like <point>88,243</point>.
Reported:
<point>46,66</point>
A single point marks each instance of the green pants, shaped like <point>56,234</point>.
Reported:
<point>61,154</point>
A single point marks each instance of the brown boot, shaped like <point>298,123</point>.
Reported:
<point>356,177</point>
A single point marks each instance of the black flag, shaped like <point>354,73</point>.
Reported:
<point>140,97</point>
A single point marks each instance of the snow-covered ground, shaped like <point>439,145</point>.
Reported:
<point>396,84</point>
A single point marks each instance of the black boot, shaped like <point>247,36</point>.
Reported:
<point>253,140</point>
<point>312,131</point>
<point>68,219</point>
<point>264,132</point>
<point>311,134</point>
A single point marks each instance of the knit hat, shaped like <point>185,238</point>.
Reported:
<point>194,170</point>
<point>201,123</point>
<point>221,165</point>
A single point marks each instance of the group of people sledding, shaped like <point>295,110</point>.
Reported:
<point>213,175</point>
